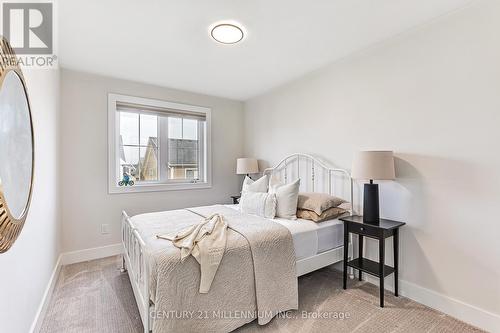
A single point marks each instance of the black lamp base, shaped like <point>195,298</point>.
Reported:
<point>370,204</point>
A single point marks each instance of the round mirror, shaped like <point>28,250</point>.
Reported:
<point>15,145</point>
<point>16,149</point>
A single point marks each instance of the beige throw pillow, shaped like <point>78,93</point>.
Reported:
<point>328,214</point>
<point>318,202</point>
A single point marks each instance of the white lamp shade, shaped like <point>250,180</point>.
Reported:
<point>246,166</point>
<point>373,165</point>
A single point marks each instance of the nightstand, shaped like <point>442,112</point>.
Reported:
<point>385,229</point>
<point>236,199</point>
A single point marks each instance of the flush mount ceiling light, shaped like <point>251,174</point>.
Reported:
<point>227,33</point>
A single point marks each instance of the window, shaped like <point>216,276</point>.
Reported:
<point>156,145</point>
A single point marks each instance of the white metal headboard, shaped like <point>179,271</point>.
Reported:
<point>315,175</point>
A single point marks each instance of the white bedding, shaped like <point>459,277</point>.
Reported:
<point>311,238</point>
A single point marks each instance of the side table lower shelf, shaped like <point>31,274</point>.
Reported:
<point>369,266</point>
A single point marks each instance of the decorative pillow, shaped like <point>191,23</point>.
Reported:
<point>318,202</point>
<point>346,205</point>
<point>329,214</point>
<point>286,199</point>
<point>258,203</point>
<point>259,185</point>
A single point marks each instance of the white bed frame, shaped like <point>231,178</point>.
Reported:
<point>315,176</point>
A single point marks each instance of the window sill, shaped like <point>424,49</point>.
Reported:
<point>113,189</point>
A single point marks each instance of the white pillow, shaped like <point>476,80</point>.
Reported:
<point>286,199</point>
<point>259,185</point>
<point>258,203</point>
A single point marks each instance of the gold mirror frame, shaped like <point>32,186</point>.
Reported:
<point>10,227</point>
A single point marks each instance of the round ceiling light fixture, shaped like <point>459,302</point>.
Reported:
<point>227,33</point>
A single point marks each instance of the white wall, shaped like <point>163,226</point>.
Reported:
<point>433,96</point>
<point>26,268</point>
<point>86,203</point>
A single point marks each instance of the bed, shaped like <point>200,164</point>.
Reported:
<point>311,245</point>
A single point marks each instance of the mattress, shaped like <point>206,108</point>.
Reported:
<point>311,238</point>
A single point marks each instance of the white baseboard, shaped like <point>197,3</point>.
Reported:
<point>42,308</point>
<point>91,254</point>
<point>466,312</point>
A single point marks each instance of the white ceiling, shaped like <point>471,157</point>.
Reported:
<point>166,42</point>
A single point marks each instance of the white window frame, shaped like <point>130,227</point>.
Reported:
<point>114,139</point>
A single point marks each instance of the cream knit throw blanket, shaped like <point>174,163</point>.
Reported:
<point>206,242</point>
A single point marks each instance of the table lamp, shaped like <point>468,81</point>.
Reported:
<point>246,166</point>
<point>370,165</point>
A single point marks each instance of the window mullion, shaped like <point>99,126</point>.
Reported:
<point>163,139</point>
<point>201,151</point>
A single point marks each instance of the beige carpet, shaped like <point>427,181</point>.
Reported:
<point>95,297</point>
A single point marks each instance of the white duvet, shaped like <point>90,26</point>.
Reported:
<point>311,238</point>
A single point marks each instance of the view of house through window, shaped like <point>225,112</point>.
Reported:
<point>183,148</point>
<point>139,146</point>
<point>160,147</point>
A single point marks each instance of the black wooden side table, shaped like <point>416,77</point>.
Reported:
<point>236,199</point>
<point>384,229</point>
